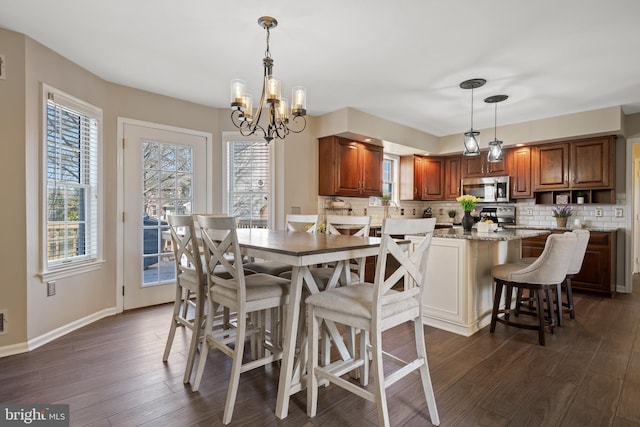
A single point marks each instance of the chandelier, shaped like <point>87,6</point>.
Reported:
<point>495,146</point>
<point>471,140</point>
<point>271,102</point>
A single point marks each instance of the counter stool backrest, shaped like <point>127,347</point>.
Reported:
<point>551,266</point>
<point>581,248</point>
<point>335,221</point>
<point>185,246</point>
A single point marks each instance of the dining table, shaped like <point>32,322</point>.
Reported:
<point>302,251</point>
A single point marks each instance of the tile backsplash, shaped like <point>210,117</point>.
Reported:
<point>527,212</point>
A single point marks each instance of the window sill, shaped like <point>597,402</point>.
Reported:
<point>72,270</point>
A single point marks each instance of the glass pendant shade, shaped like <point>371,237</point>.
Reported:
<point>471,138</point>
<point>237,93</point>
<point>471,143</point>
<point>495,151</point>
<point>299,101</point>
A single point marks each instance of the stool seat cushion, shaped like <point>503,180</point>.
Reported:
<point>258,286</point>
<point>357,300</point>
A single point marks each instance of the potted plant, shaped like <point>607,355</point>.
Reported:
<point>561,214</point>
<point>452,215</point>
<point>468,203</point>
<point>580,197</point>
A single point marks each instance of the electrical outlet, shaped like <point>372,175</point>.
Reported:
<point>3,321</point>
<point>402,211</point>
<point>414,212</point>
<point>619,213</point>
<point>529,212</point>
<point>598,212</point>
<point>441,211</point>
<point>51,288</point>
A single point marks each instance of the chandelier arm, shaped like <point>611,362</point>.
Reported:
<point>298,120</point>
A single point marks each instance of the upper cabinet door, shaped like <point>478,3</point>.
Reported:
<point>433,185</point>
<point>520,172</point>
<point>551,166</point>
<point>371,166</point>
<point>591,163</point>
<point>453,177</point>
<point>349,168</point>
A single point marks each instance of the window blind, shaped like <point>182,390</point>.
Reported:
<point>72,135</point>
<point>248,182</point>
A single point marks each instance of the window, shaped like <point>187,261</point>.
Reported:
<point>249,183</point>
<point>390,177</point>
<point>72,133</point>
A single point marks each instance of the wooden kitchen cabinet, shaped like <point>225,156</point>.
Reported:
<point>453,177</point>
<point>349,168</point>
<point>598,273</point>
<point>479,166</point>
<point>422,178</point>
<point>519,170</point>
<point>586,165</point>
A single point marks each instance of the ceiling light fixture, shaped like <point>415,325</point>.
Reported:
<point>495,146</point>
<point>277,125</point>
<point>471,140</point>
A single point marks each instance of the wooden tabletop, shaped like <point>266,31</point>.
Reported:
<point>298,243</point>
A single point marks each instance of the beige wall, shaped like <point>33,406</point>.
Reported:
<point>13,259</point>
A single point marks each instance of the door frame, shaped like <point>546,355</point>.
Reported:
<point>122,122</point>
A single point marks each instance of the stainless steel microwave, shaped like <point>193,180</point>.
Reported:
<point>488,189</point>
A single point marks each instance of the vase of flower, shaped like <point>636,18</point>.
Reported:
<point>561,214</point>
<point>468,204</point>
<point>467,221</point>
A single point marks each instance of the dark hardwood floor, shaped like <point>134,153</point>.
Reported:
<point>111,374</point>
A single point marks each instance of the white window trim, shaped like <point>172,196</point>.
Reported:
<point>237,136</point>
<point>395,197</point>
<point>66,270</point>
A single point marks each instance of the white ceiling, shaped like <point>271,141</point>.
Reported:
<point>401,60</point>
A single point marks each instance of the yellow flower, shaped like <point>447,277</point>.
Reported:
<point>468,202</point>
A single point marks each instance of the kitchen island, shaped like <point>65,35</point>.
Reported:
<point>458,295</point>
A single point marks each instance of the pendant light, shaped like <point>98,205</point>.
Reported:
<point>495,146</point>
<point>471,138</point>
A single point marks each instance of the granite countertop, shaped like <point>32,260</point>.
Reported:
<point>568,228</point>
<point>500,235</point>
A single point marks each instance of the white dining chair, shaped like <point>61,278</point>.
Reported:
<point>374,309</point>
<point>243,294</point>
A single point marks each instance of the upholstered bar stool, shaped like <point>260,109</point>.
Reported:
<point>574,268</point>
<point>541,278</point>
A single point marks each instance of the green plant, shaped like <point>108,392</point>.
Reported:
<point>562,211</point>
<point>452,213</point>
<point>468,202</point>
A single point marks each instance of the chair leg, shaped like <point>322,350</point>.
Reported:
<point>236,368</point>
<point>507,301</point>
<point>174,323</point>
<point>196,334</point>
<point>204,351</point>
<point>496,305</point>
<point>378,379</point>
<point>558,303</point>
<point>312,362</point>
<point>425,375</point>
<point>567,286</point>
<point>364,355</point>
<point>540,311</point>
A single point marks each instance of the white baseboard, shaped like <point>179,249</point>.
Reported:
<point>41,340</point>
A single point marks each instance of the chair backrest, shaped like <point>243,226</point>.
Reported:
<point>581,248</point>
<point>219,238</point>
<point>335,221</point>
<point>412,266</point>
<point>185,246</point>
<point>308,223</point>
<point>551,266</point>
